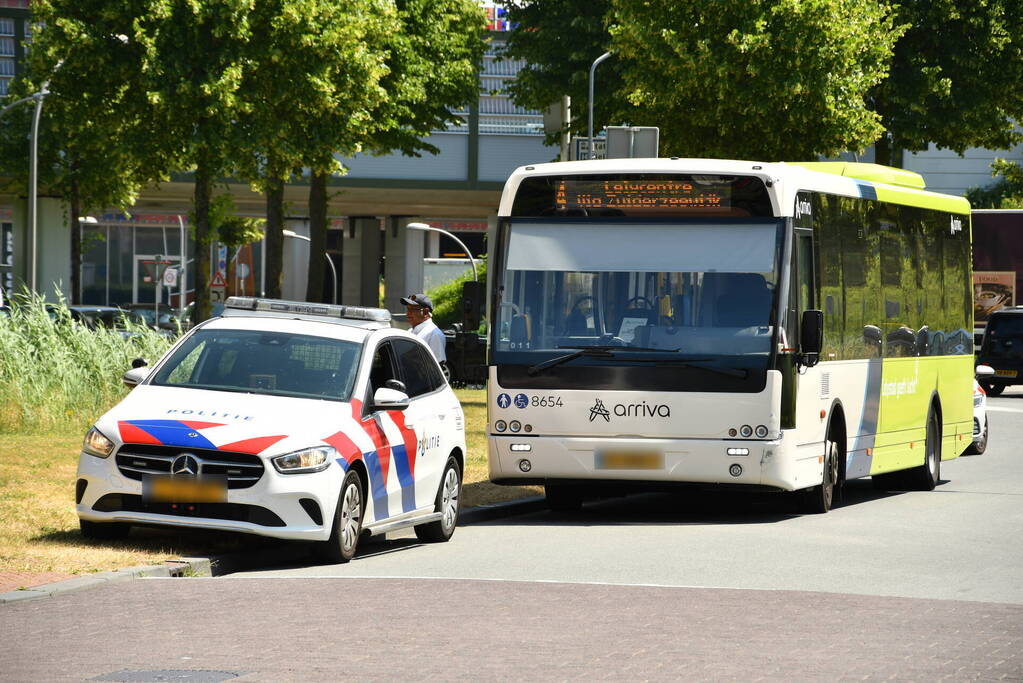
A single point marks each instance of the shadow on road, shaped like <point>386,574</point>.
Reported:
<point>685,506</point>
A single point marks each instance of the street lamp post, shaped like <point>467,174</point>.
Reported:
<point>330,261</point>
<point>593,69</point>
<point>429,228</point>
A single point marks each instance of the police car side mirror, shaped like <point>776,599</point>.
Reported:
<point>985,371</point>
<point>134,376</point>
<point>390,399</point>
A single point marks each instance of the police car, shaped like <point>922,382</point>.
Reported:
<point>286,419</point>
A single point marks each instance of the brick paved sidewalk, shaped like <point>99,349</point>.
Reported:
<point>12,581</point>
<point>414,629</point>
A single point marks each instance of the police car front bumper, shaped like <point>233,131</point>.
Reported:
<point>278,505</point>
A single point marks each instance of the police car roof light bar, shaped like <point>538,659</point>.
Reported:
<point>250,303</point>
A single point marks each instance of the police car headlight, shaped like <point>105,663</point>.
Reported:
<point>97,444</point>
<point>306,460</point>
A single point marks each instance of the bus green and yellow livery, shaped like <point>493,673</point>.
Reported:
<point>777,326</point>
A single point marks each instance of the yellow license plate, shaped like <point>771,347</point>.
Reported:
<point>185,490</point>
<point>1005,373</point>
<point>629,460</point>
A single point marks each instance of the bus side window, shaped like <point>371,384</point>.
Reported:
<point>804,246</point>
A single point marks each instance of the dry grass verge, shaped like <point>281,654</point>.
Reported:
<point>39,527</point>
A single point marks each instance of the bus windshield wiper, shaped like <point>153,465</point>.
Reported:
<point>692,362</point>
<point>596,351</point>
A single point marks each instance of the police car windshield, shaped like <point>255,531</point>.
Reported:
<point>258,362</point>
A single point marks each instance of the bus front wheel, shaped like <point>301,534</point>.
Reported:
<point>818,499</point>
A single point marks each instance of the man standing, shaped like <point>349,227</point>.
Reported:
<point>420,316</point>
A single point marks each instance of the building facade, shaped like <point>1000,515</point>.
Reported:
<point>457,190</point>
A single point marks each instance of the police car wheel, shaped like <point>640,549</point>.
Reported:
<point>448,497</point>
<point>103,531</point>
<point>344,536</point>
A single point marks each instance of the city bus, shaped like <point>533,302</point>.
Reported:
<point>768,326</point>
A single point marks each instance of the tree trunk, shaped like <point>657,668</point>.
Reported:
<point>274,237</point>
<point>76,241</point>
<point>883,150</point>
<point>886,154</point>
<point>318,238</point>
<point>201,272</point>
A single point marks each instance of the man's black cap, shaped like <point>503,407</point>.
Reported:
<point>418,300</point>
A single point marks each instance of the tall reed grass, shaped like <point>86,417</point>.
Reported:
<point>58,374</point>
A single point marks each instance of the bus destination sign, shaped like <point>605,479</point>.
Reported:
<point>640,194</point>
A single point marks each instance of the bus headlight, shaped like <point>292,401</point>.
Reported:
<point>745,431</point>
<point>515,426</point>
<point>761,431</point>
<point>500,426</point>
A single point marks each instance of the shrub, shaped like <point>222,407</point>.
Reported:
<point>58,373</point>
<point>447,298</point>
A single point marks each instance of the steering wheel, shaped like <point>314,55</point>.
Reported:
<point>643,299</point>
<point>578,301</point>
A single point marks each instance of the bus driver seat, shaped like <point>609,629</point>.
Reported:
<point>743,300</point>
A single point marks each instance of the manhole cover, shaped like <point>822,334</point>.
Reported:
<point>169,675</point>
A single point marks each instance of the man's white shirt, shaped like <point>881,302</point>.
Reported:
<point>434,338</point>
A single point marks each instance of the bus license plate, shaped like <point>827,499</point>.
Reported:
<point>185,490</point>
<point>629,460</point>
<point>1005,373</point>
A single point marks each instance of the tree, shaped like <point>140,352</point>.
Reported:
<point>432,64</point>
<point>955,77</point>
<point>768,79</point>
<point>1005,193</point>
<point>88,134</point>
<point>312,82</point>
<point>558,40</point>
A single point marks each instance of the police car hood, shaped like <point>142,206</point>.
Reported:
<point>227,421</point>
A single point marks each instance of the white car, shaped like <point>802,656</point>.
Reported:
<point>285,419</point>
<point>980,428</point>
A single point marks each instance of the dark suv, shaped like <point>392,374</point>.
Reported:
<point>1002,349</point>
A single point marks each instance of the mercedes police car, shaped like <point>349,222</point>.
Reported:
<point>286,419</point>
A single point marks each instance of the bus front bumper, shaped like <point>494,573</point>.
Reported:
<point>519,460</point>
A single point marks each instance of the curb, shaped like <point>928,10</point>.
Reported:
<point>192,566</point>
<point>227,564</point>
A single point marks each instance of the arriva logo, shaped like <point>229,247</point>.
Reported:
<point>955,225</point>
<point>803,208</point>
<point>641,409</point>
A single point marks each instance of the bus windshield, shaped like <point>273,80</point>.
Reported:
<point>640,292</point>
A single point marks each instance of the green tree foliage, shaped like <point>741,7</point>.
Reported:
<point>955,76</point>
<point>558,40</point>
<point>88,132</point>
<point>782,79</point>
<point>311,85</point>
<point>1005,193</point>
<point>447,298</point>
<point>733,78</point>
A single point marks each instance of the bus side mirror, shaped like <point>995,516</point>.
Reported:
<point>472,305</point>
<point>811,337</point>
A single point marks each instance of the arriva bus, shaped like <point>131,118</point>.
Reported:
<point>776,326</point>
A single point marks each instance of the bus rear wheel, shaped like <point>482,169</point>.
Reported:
<point>926,476</point>
<point>818,499</point>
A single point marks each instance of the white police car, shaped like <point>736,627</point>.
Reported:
<point>285,419</point>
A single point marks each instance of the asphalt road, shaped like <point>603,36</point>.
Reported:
<point>913,586</point>
<point>958,542</point>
